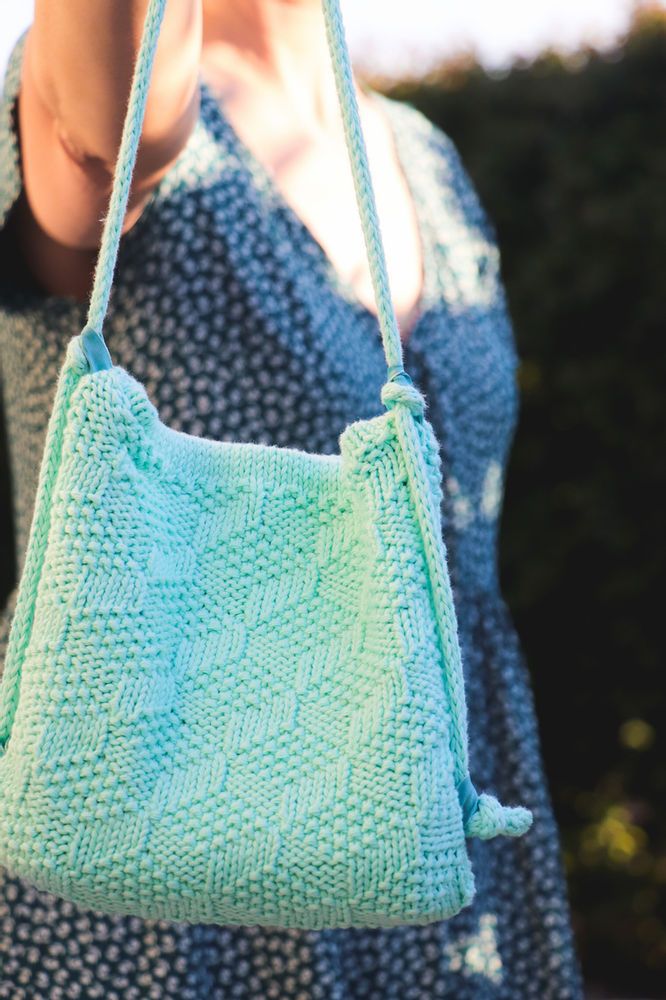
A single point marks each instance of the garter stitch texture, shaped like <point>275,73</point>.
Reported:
<point>233,690</point>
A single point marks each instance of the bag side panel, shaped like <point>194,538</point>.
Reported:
<point>20,629</point>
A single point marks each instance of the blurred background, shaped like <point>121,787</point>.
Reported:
<point>558,109</point>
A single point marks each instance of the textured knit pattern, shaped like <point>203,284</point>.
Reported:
<point>257,731</point>
<point>233,689</point>
<point>229,312</point>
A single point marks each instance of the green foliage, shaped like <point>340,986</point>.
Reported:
<point>570,163</point>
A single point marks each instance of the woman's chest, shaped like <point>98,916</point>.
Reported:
<point>308,174</point>
<point>232,321</point>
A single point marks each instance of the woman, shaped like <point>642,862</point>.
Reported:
<point>243,302</point>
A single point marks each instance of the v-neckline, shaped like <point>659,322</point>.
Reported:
<point>430,290</point>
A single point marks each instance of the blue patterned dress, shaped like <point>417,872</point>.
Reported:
<point>231,314</point>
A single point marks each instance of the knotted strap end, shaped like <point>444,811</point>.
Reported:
<point>400,390</point>
<point>485,817</point>
<point>492,819</point>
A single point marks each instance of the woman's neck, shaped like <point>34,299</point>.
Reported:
<point>277,44</point>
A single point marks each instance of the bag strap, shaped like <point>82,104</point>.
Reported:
<point>92,336</point>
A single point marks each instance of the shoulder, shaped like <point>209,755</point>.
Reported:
<point>439,159</point>
<point>410,119</point>
<point>465,236</point>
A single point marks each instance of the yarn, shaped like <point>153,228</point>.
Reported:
<point>492,819</point>
<point>358,159</point>
<point>233,690</point>
<point>405,394</point>
<point>122,179</point>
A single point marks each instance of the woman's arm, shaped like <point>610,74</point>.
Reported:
<point>75,82</point>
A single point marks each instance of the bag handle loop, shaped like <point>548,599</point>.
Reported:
<point>92,336</point>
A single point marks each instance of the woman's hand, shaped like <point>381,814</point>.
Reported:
<point>75,82</point>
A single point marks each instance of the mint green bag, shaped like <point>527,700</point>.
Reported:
<point>233,691</point>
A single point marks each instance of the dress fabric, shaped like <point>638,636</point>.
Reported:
<point>228,310</point>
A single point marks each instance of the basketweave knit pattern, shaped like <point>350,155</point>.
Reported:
<point>235,641</point>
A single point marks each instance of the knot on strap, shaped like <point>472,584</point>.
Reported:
<point>403,393</point>
<point>491,819</point>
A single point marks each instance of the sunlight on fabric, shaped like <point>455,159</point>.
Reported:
<point>477,954</point>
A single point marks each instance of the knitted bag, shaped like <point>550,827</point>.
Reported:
<point>233,689</point>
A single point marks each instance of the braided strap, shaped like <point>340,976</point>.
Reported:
<point>365,197</point>
<point>434,550</point>
<point>483,815</point>
<point>92,338</point>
